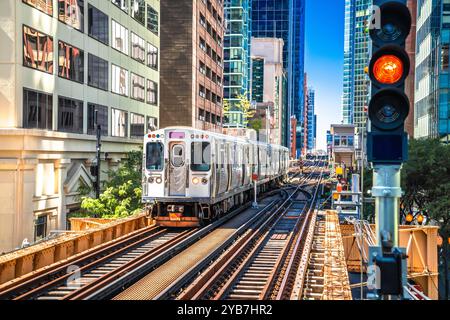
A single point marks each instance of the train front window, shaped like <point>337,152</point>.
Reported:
<point>201,156</point>
<point>155,156</point>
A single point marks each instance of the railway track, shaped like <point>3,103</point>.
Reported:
<point>76,276</point>
<point>255,266</point>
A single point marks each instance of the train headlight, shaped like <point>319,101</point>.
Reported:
<point>204,181</point>
<point>158,180</point>
<point>195,180</point>
<point>151,180</point>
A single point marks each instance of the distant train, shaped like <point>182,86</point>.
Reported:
<point>191,177</point>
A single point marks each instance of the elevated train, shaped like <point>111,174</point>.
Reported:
<point>191,177</point>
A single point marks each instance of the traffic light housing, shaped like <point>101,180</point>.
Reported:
<point>387,142</point>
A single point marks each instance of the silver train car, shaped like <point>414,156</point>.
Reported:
<point>191,177</point>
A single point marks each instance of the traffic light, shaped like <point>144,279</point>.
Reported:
<point>388,70</point>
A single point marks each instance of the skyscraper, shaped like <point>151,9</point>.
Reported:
<point>192,33</point>
<point>311,121</point>
<point>66,61</point>
<point>432,99</point>
<point>236,57</point>
<point>285,19</point>
<point>356,58</point>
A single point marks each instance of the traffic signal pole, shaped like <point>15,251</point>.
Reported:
<point>387,144</point>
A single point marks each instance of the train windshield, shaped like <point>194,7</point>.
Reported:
<point>155,156</point>
<point>201,156</point>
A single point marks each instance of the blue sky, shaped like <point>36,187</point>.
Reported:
<point>324,56</point>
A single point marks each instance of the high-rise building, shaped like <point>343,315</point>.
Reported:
<point>192,33</point>
<point>432,99</point>
<point>285,19</point>
<point>268,82</point>
<point>311,121</point>
<point>410,81</point>
<point>356,59</point>
<point>65,61</point>
<point>236,58</point>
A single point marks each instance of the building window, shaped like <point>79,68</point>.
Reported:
<point>97,72</point>
<point>152,124</point>
<point>152,56</point>
<point>45,6</point>
<point>201,115</point>
<point>119,37</point>
<point>152,92</point>
<point>37,110</point>
<point>40,228</point>
<point>119,83</point>
<point>71,12</point>
<point>138,11</point>
<point>137,125</point>
<point>202,92</point>
<point>122,4</point>
<point>137,48</point>
<point>98,25</point>
<point>137,87</point>
<point>70,115</point>
<point>71,62</point>
<point>152,20</point>
<point>119,125</point>
<point>102,119</point>
<point>337,141</point>
<point>37,50</point>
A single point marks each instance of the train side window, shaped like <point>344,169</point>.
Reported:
<point>155,156</point>
<point>201,156</point>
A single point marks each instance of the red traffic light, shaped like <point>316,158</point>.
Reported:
<point>388,69</point>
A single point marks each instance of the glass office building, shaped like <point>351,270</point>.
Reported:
<point>285,19</point>
<point>356,58</point>
<point>432,98</point>
<point>237,57</point>
<point>311,121</point>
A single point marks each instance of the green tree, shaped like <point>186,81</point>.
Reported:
<point>426,182</point>
<point>242,104</point>
<point>121,194</point>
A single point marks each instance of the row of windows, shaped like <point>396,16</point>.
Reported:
<point>38,114</point>
<point>121,43</point>
<point>136,9</point>
<point>210,52</point>
<point>209,95</point>
<point>210,29</point>
<point>214,77</point>
<point>213,11</point>
<point>38,54</point>
<point>71,12</point>
<point>98,28</point>
<point>209,117</point>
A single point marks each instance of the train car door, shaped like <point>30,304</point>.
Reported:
<point>177,170</point>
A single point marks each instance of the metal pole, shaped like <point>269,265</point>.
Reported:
<point>98,147</point>
<point>387,192</point>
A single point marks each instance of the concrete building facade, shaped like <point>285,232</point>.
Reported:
<point>192,33</point>
<point>270,51</point>
<point>65,60</point>
<point>285,19</point>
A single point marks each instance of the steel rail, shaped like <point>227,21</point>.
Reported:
<point>298,253</point>
<point>202,286</point>
<point>36,279</point>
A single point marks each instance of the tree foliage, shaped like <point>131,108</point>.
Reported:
<point>426,180</point>
<point>122,191</point>
<point>242,104</point>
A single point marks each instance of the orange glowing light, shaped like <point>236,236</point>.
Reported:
<point>420,219</point>
<point>388,69</point>
<point>409,218</point>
